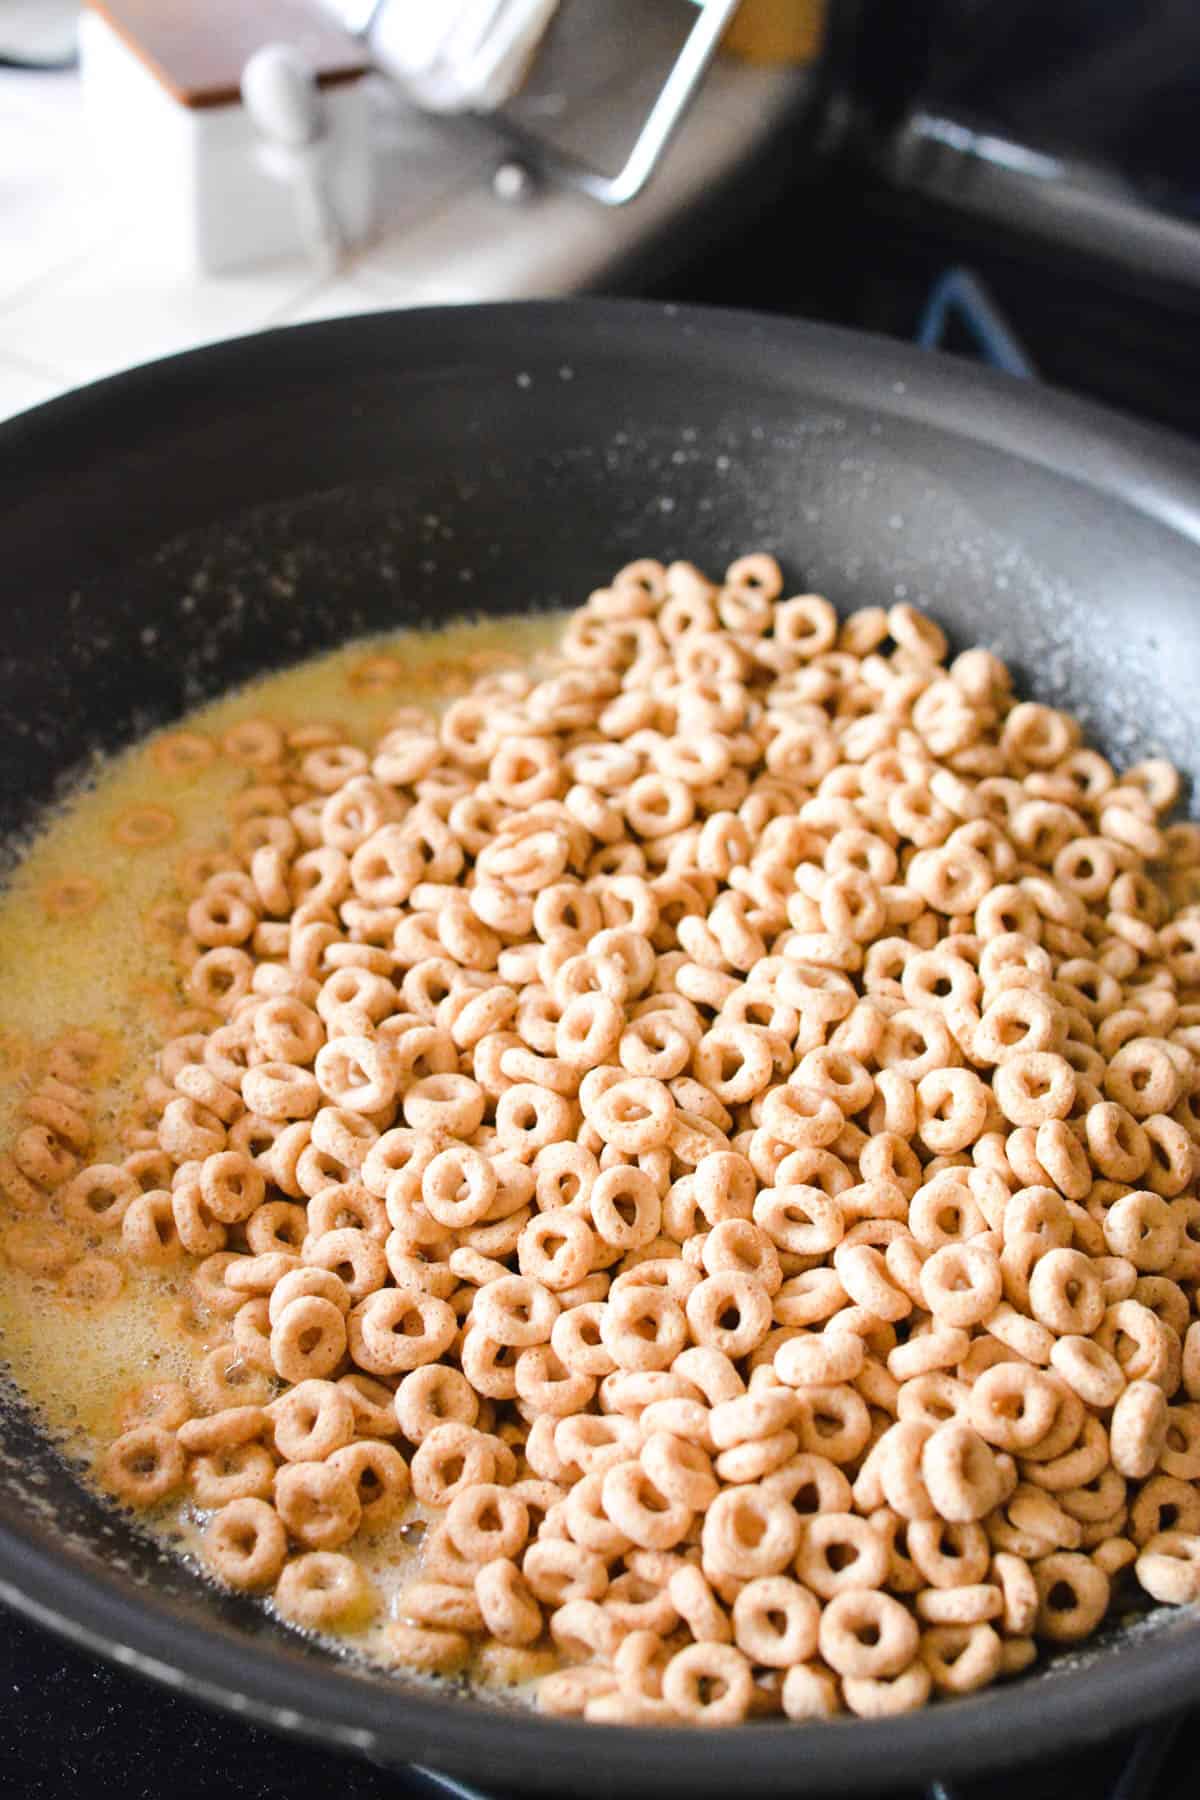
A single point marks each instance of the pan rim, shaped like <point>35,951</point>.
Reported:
<point>1145,469</point>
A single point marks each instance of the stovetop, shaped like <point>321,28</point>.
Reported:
<point>69,1723</point>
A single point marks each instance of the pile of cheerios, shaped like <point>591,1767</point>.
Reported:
<point>718,1123</point>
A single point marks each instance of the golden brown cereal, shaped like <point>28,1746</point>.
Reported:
<point>246,1544</point>
<point>318,1504</point>
<point>321,1589</point>
<point>145,827</point>
<point>71,896</point>
<point>732,1102</point>
<point>380,1476</point>
<point>182,753</point>
<point>143,1465</point>
<point>1169,1568</point>
<point>867,1634</point>
<point>708,1684</point>
<point>1074,1596</point>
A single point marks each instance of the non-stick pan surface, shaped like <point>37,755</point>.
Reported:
<point>177,529</point>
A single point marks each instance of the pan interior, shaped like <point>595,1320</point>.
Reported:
<point>177,532</point>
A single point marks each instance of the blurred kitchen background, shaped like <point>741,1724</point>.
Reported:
<point>1017,179</point>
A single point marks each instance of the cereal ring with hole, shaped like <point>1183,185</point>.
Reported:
<point>558,1571</point>
<point>98,1197</point>
<point>245,1545</point>
<point>398,1329</point>
<point>947,1555</point>
<point>1065,1293</point>
<point>1034,1086</point>
<point>486,1521</point>
<point>952,1110</point>
<point>747,1532</point>
<point>358,1261</point>
<point>143,1466</point>
<point>431,1396</point>
<point>634,1114</point>
<point>318,1504</point>
<point>232,1186</point>
<point>149,1230</point>
<point>961,1656</point>
<point>865,1634</point>
<point>308,1337</point>
<point>832,1422</point>
<point>839,1550</point>
<point>322,1589</point>
<point>243,1472</point>
<point>380,1477</point>
<point>775,1622</point>
<point>458,1186</point>
<point>556,1249</point>
<point>1073,1596</point>
<point>800,1219</point>
<point>446,1105</point>
<point>1142,1228</point>
<point>709,1684</point>
<point>961,1283</point>
<point>625,1208</point>
<point>729,1312</point>
<point>451,1458</point>
<point>643,1328</point>
<point>311,1420</point>
<point>640,1510</point>
<point>1013,1406</point>
<point>1181,1453</point>
<point>1164,1504</point>
<point>515,1311</point>
<point>1142,1077</point>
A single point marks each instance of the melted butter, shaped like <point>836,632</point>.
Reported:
<point>77,1362</point>
<point>77,949</point>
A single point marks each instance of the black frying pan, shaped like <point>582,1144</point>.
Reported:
<point>174,530</point>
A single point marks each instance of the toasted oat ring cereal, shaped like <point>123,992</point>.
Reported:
<point>144,1465</point>
<point>321,1589</point>
<point>673,1176</point>
<point>246,1544</point>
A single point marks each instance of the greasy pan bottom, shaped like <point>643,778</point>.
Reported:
<point>175,530</point>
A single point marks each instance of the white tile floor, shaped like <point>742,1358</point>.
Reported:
<point>81,293</point>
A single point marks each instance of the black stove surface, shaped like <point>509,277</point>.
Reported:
<point>71,1724</point>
